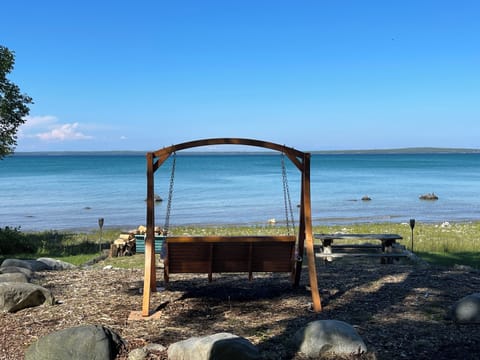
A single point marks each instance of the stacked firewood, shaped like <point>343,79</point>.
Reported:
<point>123,246</point>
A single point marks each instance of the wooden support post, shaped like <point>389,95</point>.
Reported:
<point>312,272</point>
<point>149,283</point>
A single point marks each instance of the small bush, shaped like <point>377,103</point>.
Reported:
<point>13,241</point>
<point>47,243</point>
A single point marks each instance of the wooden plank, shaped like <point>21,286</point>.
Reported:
<point>352,246</point>
<point>230,257</point>
<point>188,258</point>
<point>342,236</point>
<point>225,239</point>
<point>357,246</point>
<point>378,255</point>
<point>273,257</point>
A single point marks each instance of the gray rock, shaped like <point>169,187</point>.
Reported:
<point>467,309</point>
<point>32,265</point>
<point>14,277</point>
<point>54,264</point>
<point>78,343</point>
<point>142,353</point>
<point>329,336</point>
<point>155,347</point>
<point>15,269</point>
<point>138,354</point>
<point>221,346</point>
<point>18,296</point>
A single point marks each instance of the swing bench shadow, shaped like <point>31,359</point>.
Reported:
<point>229,254</point>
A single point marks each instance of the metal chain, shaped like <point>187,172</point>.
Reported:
<point>170,195</point>
<point>286,198</point>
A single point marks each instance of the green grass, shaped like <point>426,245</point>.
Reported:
<point>471,259</point>
<point>448,244</point>
<point>124,262</point>
<point>77,259</point>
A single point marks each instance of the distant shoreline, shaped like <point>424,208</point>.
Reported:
<point>415,150</point>
<point>250,228</point>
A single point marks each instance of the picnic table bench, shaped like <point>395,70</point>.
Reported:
<point>388,243</point>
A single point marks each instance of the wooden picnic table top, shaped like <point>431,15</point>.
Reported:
<point>382,237</point>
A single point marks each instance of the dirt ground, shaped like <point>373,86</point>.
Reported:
<point>398,309</point>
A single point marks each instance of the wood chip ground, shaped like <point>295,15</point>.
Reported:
<point>398,309</point>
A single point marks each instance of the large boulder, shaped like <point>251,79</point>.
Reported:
<point>14,277</point>
<point>32,265</point>
<point>15,296</point>
<point>467,309</point>
<point>77,343</point>
<point>15,269</point>
<point>221,346</point>
<point>54,264</point>
<point>329,337</point>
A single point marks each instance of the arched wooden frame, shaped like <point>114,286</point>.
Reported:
<point>305,236</point>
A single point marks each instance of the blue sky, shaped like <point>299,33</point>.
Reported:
<point>315,75</point>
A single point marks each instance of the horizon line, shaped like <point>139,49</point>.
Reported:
<point>403,150</point>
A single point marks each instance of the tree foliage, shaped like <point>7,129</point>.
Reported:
<point>13,104</point>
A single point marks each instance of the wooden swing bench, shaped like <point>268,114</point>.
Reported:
<point>232,254</point>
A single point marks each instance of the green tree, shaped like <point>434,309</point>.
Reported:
<point>13,104</point>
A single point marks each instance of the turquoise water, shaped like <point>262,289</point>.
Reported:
<point>39,192</point>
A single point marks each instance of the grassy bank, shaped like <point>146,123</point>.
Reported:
<point>74,247</point>
<point>443,244</point>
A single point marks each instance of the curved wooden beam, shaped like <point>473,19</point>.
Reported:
<point>293,154</point>
<point>227,141</point>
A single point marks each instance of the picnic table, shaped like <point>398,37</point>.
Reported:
<point>388,242</point>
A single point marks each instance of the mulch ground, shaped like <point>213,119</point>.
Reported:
<point>398,309</point>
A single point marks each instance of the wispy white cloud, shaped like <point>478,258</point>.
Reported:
<point>63,132</point>
<point>49,128</point>
<point>39,121</point>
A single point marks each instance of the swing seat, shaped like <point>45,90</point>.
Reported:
<point>220,254</point>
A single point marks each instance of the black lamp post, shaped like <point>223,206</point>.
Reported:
<point>412,226</point>
<point>100,225</point>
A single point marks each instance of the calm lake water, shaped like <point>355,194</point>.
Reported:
<point>40,192</point>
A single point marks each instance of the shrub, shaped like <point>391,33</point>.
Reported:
<point>13,241</point>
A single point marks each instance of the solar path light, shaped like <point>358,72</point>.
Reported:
<point>412,226</point>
